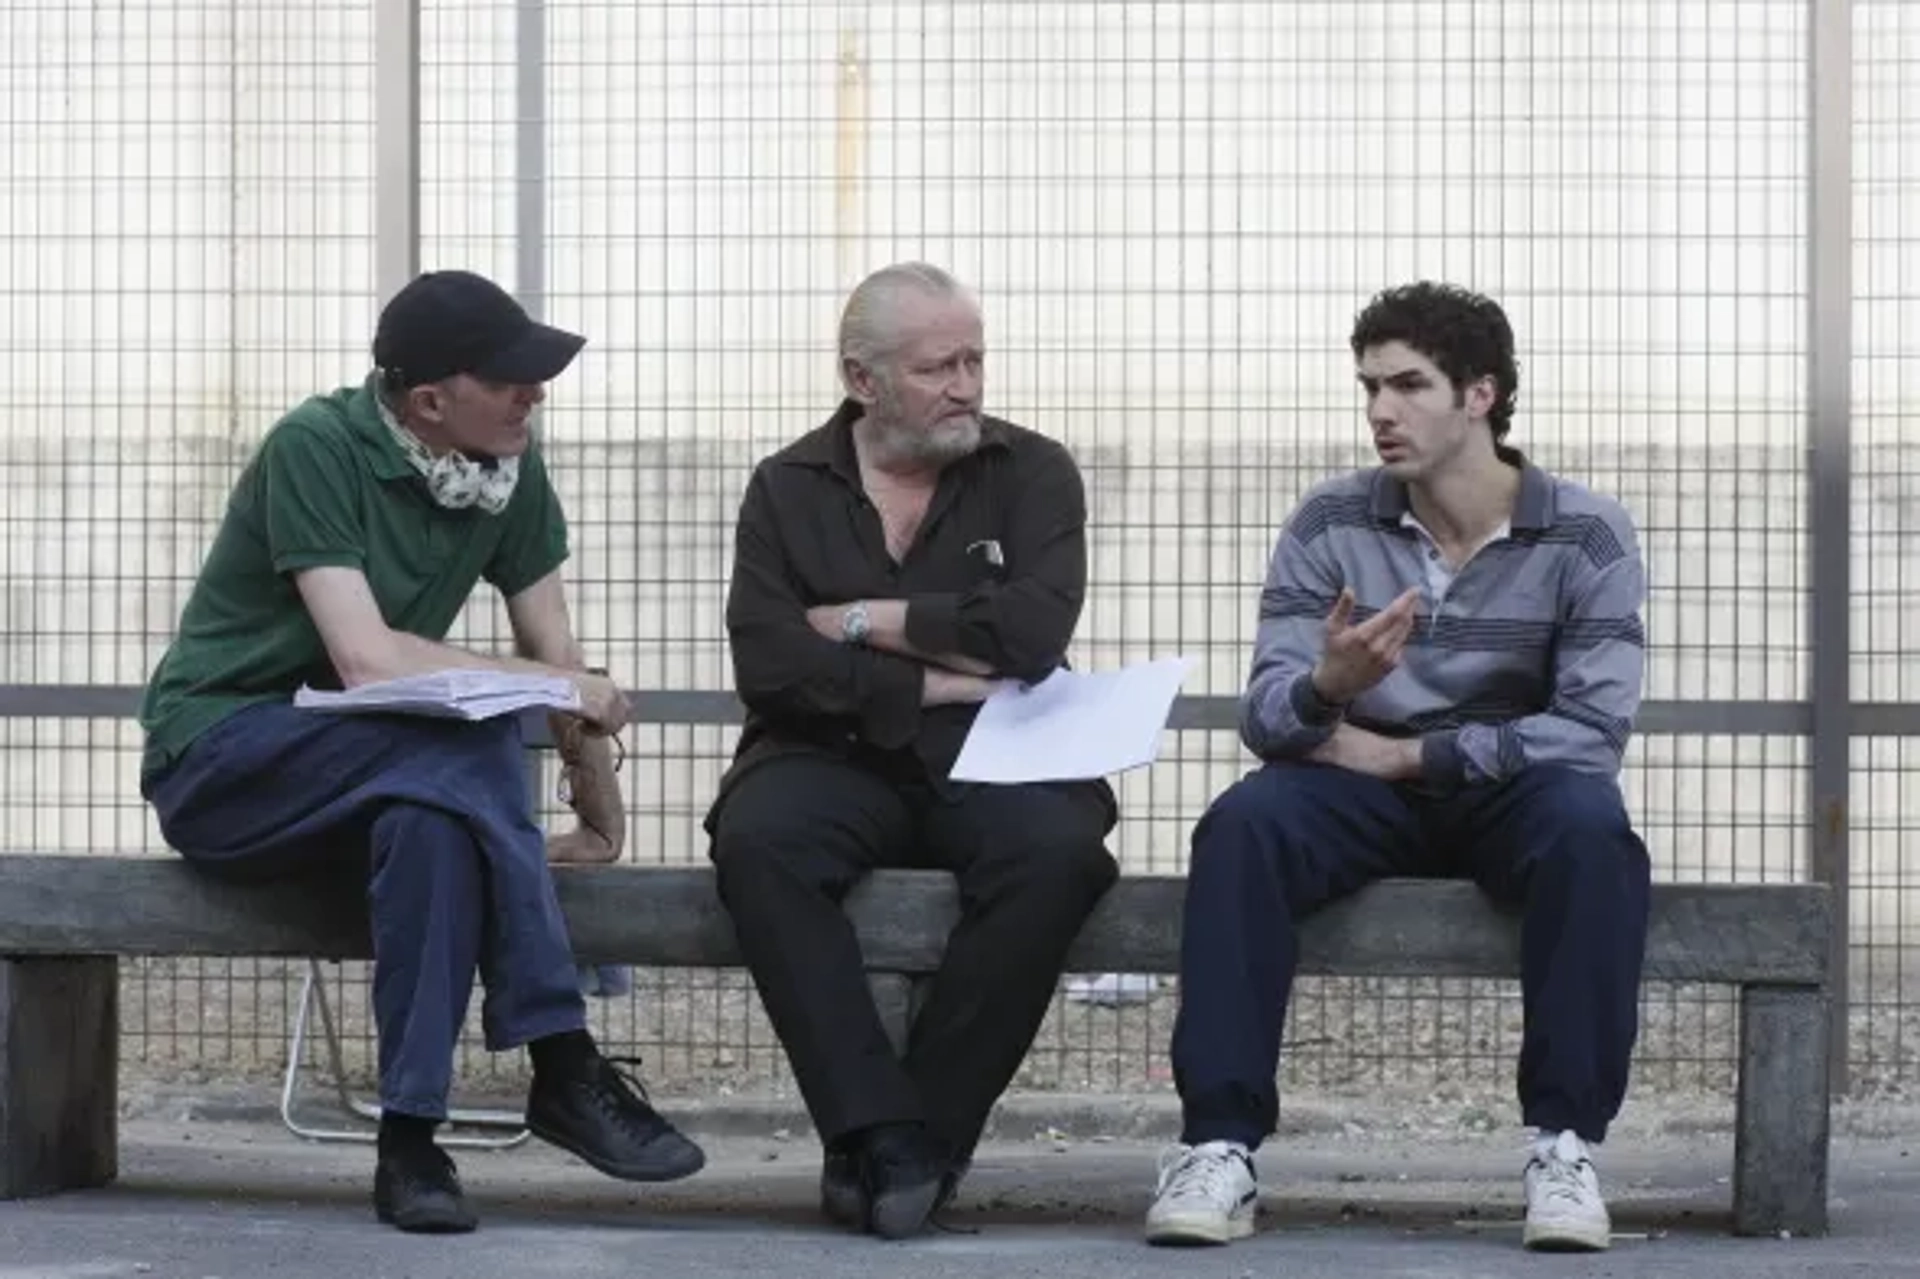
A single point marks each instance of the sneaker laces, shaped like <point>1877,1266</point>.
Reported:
<point>627,1071</point>
<point>1198,1173</point>
<point>622,1092</point>
<point>1560,1177</point>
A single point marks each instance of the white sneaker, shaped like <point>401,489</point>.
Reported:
<point>1565,1212</point>
<point>1207,1194</point>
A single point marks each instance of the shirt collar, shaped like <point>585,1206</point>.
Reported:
<point>363,415</point>
<point>1532,508</point>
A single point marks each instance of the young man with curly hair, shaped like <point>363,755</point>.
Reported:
<point>1445,675</point>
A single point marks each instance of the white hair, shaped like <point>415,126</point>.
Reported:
<point>869,333</point>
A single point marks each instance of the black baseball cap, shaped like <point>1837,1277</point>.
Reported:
<point>445,323</point>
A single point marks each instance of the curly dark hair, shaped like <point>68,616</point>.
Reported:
<point>1465,334</point>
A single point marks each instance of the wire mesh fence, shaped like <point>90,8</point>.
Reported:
<point>1886,526</point>
<point>1171,211</point>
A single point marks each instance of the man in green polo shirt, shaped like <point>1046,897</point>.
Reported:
<point>350,543</point>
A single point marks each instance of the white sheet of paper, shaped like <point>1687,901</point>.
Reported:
<point>1072,726</point>
<point>459,693</point>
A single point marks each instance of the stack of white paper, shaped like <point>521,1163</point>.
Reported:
<point>460,693</point>
<point>1072,726</point>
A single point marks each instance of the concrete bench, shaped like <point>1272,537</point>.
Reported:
<point>64,920</point>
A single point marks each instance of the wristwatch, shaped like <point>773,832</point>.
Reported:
<point>855,624</point>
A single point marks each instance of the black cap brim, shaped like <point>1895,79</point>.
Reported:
<point>541,355</point>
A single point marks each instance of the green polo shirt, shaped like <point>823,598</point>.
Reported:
<point>329,486</point>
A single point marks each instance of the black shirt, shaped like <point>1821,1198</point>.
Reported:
<point>997,572</point>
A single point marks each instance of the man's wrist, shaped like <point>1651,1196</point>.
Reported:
<point>1312,705</point>
<point>1317,681</point>
<point>856,622</point>
<point>936,686</point>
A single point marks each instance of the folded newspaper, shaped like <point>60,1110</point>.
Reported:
<point>460,693</point>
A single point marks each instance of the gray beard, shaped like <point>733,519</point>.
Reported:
<point>896,446</point>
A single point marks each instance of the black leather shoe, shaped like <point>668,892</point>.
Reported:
<point>956,1173</point>
<point>601,1115</point>
<point>843,1195</point>
<point>904,1171</point>
<point>416,1189</point>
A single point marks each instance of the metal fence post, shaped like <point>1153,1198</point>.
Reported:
<point>396,188</point>
<point>530,154</point>
<point>530,196</point>
<point>1830,446</point>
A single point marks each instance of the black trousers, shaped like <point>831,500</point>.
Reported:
<point>796,833</point>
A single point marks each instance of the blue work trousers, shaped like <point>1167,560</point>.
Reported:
<point>435,815</point>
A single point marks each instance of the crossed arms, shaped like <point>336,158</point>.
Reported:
<point>926,649</point>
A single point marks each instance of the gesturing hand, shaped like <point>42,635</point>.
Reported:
<point>1358,657</point>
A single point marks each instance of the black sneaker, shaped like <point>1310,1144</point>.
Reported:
<point>904,1171</point>
<point>416,1189</point>
<point>601,1115</point>
<point>843,1194</point>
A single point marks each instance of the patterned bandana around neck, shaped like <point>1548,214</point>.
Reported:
<point>455,481</point>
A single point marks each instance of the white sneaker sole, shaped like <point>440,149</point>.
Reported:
<point>1197,1229</point>
<point>1567,1236</point>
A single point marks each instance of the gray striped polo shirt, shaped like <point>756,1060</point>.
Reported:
<point>1533,652</point>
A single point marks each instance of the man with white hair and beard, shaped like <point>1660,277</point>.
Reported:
<point>891,566</point>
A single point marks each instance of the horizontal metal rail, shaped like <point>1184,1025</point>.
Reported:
<point>720,707</point>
